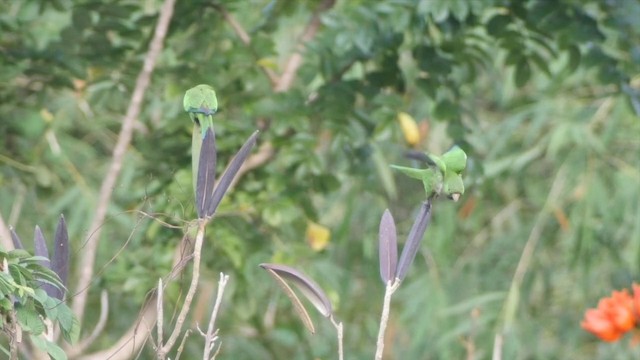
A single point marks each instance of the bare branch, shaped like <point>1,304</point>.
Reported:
<point>5,235</point>
<point>160,322</point>
<point>186,306</point>
<point>211,335</point>
<point>295,60</point>
<point>246,39</point>
<point>285,81</point>
<point>88,257</point>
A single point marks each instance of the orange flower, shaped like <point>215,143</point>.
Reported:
<point>613,317</point>
<point>636,299</point>
<point>597,323</point>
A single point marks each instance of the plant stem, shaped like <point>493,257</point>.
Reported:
<point>211,335</point>
<point>338,326</point>
<point>186,306</point>
<point>389,290</point>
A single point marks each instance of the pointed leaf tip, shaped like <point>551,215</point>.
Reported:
<point>17,243</point>
<point>230,173</point>
<point>387,247</point>
<point>60,260</point>
<point>413,240</point>
<point>40,246</point>
<point>206,173</point>
<point>309,288</point>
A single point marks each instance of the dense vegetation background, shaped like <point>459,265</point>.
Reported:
<point>543,95</point>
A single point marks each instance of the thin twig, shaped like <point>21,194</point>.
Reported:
<point>139,332</point>
<point>295,60</point>
<point>211,335</point>
<point>186,306</point>
<point>5,235</point>
<point>160,322</point>
<point>384,319</point>
<point>280,83</point>
<point>88,257</point>
<point>246,40</point>
<point>182,343</point>
<point>339,330</point>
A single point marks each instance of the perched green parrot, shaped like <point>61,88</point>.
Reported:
<point>200,103</point>
<point>443,176</point>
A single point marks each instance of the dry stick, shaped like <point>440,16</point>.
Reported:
<point>339,329</point>
<point>5,235</point>
<point>295,60</point>
<point>525,258</point>
<point>279,84</point>
<point>210,336</point>
<point>186,306</point>
<point>246,39</point>
<point>160,322</point>
<point>384,318</point>
<point>124,139</point>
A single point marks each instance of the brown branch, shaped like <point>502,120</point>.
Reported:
<point>5,236</point>
<point>295,60</point>
<point>87,260</point>
<point>280,83</point>
<point>131,341</point>
<point>246,39</point>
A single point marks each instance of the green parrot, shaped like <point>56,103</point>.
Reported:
<point>443,176</point>
<point>200,103</point>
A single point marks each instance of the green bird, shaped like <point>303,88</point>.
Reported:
<point>444,174</point>
<point>200,103</point>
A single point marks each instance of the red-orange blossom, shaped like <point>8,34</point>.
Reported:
<point>615,315</point>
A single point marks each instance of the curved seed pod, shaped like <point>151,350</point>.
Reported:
<point>230,173</point>
<point>206,173</point>
<point>388,247</point>
<point>309,288</point>
<point>60,260</point>
<point>455,159</point>
<point>413,240</point>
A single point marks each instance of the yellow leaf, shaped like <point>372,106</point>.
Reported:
<point>317,236</point>
<point>409,128</point>
<point>46,115</point>
<point>268,63</point>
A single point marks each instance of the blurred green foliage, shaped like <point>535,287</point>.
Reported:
<point>541,94</point>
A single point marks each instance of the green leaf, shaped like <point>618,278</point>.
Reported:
<point>573,58</point>
<point>30,320</point>
<point>50,348</point>
<point>522,73</point>
<point>497,25</point>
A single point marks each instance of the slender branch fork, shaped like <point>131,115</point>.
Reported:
<point>384,318</point>
<point>212,332</point>
<point>186,306</point>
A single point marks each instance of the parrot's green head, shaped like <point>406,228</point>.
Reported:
<point>201,100</point>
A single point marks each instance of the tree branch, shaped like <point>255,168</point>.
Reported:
<point>295,60</point>
<point>280,83</point>
<point>246,39</point>
<point>87,260</point>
